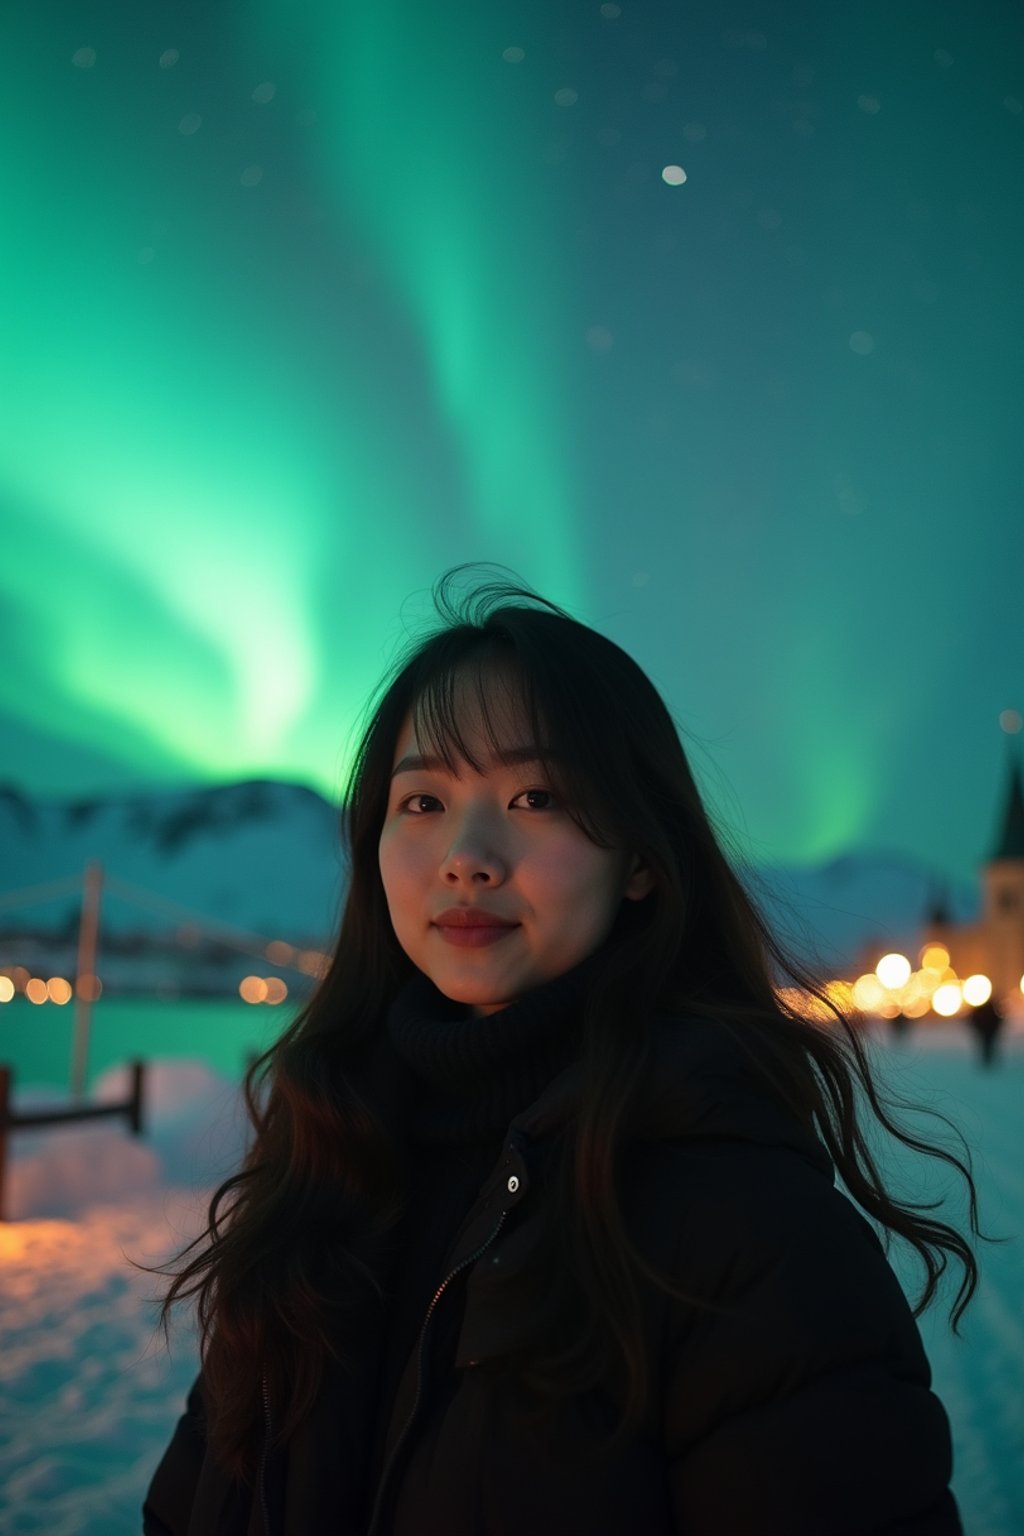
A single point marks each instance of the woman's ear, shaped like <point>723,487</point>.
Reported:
<point>639,882</point>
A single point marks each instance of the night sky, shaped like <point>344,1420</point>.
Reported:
<point>304,301</point>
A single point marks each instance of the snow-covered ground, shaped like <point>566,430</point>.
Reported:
<point>89,1394</point>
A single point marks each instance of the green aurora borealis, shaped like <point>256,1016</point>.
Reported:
<point>303,303</point>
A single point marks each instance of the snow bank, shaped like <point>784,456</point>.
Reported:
<point>194,1137</point>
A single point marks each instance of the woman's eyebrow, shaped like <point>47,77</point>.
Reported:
<point>419,763</point>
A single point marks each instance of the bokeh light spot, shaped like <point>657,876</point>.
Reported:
<point>862,342</point>
<point>252,989</point>
<point>190,124</point>
<point>264,92</point>
<point>869,104</point>
<point>935,957</point>
<point>977,990</point>
<point>169,58</point>
<point>611,12</point>
<point>566,97</point>
<point>599,339</point>
<point>6,989</point>
<point>251,176</point>
<point>893,970</point>
<point>514,55</point>
<point>84,58</point>
<point>89,987</point>
<point>1013,104</point>
<point>946,999</point>
<point>868,993</point>
<point>35,990</point>
<point>276,991</point>
<point>58,990</point>
<point>674,175</point>
<point>942,58</point>
<point>1010,721</point>
<point>145,255</point>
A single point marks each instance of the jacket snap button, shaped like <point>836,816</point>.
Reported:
<point>513,1184</point>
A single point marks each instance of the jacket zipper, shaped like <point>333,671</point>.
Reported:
<point>263,1456</point>
<point>419,1373</point>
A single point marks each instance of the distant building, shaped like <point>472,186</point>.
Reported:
<point>994,945</point>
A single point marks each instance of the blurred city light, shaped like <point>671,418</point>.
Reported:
<point>893,970</point>
<point>977,990</point>
<point>947,999</point>
<point>868,993</point>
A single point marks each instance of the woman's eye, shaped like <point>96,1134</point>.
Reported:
<point>544,794</point>
<point>412,806</point>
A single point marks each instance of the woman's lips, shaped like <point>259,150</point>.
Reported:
<point>472,930</point>
<point>478,934</point>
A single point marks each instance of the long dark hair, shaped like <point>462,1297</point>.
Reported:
<point>287,1253</point>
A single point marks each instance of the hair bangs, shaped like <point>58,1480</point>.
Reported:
<point>501,688</point>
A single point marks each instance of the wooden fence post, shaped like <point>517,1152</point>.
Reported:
<point>138,1072</point>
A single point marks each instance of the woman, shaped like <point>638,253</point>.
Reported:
<point>538,1229</point>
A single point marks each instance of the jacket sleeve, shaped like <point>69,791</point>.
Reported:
<point>806,1408</point>
<point>167,1510</point>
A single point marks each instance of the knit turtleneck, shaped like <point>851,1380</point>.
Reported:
<point>474,1075</point>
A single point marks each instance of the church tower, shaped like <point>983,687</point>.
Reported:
<point>1003,881</point>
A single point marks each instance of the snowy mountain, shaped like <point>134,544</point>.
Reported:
<point>260,856</point>
<point>266,858</point>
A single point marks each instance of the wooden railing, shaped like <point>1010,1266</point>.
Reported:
<point>32,1119</point>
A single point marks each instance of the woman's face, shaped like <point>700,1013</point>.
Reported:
<point>494,844</point>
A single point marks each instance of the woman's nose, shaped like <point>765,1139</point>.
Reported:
<point>473,855</point>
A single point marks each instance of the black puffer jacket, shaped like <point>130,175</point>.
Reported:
<point>805,1411</point>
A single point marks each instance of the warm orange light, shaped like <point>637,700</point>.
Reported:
<point>893,970</point>
<point>253,989</point>
<point>279,953</point>
<point>840,993</point>
<point>935,957</point>
<point>35,990</point>
<point>276,990</point>
<point>868,993</point>
<point>6,989</point>
<point>20,977</point>
<point>89,987</point>
<point>977,990</point>
<point>313,963</point>
<point>946,1000</point>
<point>924,981</point>
<point>58,990</point>
<point>802,1003</point>
<point>916,1007</point>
